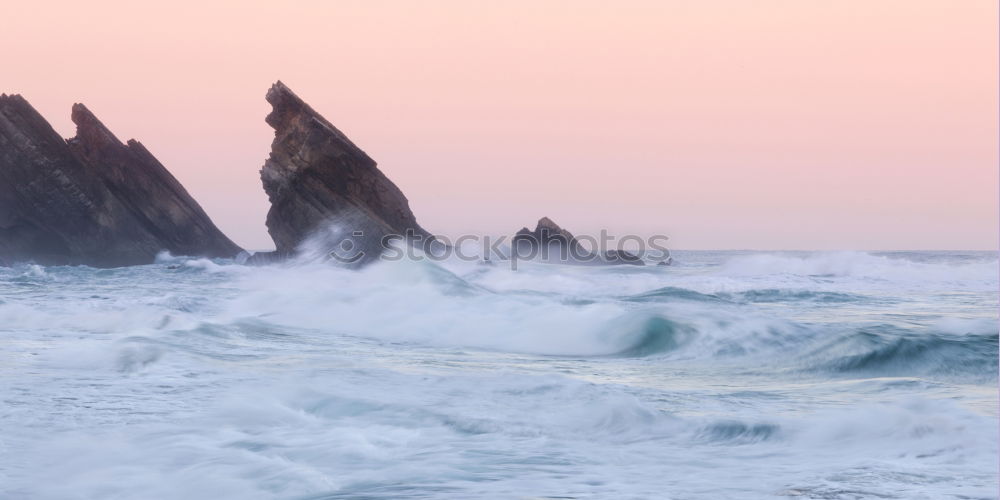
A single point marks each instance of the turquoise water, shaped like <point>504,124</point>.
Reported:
<point>729,375</point>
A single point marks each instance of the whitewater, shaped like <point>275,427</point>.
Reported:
<point>729,375</point>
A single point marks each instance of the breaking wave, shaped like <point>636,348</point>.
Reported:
<point>888,352</point>
<point>852,374</point>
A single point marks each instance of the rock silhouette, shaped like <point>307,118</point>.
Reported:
<point>549,242</point>
<point>91,200</point>
<point>328,198</point>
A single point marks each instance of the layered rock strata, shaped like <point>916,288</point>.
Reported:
<point>328,198</point>
<point>91,200</point>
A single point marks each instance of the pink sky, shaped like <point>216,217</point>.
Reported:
<point>789,124</point>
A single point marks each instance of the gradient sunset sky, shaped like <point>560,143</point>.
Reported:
<point>792,124</point>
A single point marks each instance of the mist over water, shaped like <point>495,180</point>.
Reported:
<point>728,375</point>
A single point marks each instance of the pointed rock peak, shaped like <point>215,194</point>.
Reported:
<point>288,109</point>
<point>90,199</point>
<point>546,223</point>
<point>279,87</point>
<point>279,93</point>
<point>315,175</point>
<point>89,130</point>
<point>285,106</point>
<point>546,230</point>
<point>17,114</point>
<point>13,99</point>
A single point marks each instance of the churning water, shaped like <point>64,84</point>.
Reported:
<point>729,375</point>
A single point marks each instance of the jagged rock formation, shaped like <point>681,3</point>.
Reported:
<point>325,192</point>
<point>551,243</point>
<point>550,239</point>
<point>91,199</point>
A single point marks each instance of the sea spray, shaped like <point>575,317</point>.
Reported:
<point>728,375</point>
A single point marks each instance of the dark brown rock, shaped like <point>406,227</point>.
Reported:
<point>326,191</point>
<point>148,190</point>
<point>91,200</point>
<point>551,243</point>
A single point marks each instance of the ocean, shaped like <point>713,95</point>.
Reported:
<point>729,375</point>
